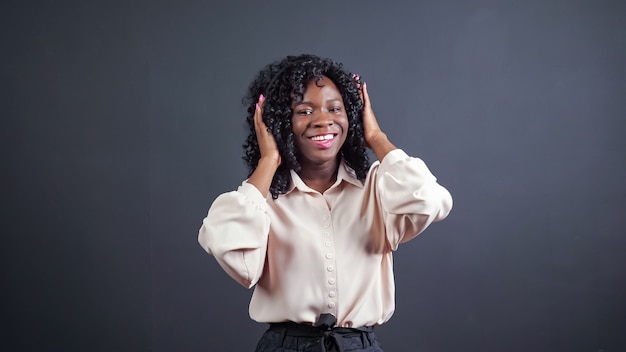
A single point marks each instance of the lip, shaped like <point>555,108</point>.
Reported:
<point>324,143</point>
<point>323,134</point>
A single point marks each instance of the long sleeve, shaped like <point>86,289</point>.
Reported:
<point>235,232</point>
<point>410,197</point>
<point>329,252</point>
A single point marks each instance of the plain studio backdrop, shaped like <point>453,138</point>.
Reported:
<point>122,121</point>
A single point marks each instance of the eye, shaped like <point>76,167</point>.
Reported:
<point>304,112</point>
<point>335,109</point>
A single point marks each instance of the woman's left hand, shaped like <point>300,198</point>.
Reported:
<point>375,138</point>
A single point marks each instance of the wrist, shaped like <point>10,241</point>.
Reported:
<point>271,161</point>
<point>376,139</point>
<point>381,145</point>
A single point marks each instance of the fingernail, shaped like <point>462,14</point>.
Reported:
<point>261,97</point>
<point>365,85</point>
<point>257,106</point>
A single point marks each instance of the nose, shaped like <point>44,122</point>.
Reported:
<point>322,119</point>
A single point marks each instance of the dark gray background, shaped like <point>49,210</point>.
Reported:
<point>121,122</point>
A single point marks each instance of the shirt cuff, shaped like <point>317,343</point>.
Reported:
<point>253,196</point>
<point>397,158</point>
<point>393,157</point>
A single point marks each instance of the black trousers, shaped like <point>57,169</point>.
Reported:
<point>325,337</point>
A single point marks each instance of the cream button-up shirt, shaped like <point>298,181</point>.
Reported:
<point>308,253</point>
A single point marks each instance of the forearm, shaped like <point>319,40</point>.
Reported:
<point>262,176</point>
<point>381,145</point>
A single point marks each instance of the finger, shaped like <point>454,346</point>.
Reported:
<point>359,86</point>
<point>258,114</point>
<point>357,79</point>
<point>366,96</point>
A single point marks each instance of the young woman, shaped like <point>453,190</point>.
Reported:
<point>314,226</point>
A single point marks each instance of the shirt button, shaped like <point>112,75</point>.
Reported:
<point>327,243</point>
<point>326,234</point>
<point>326,225</point>
<point>329,255</point>
<point>332,294</point>
<point>330,268</point>
<point>331,281</point>
<point>331,305</point>
<point>325,217</point>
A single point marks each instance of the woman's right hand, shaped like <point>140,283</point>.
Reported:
<point>262,176</point>
<point>267,143</point>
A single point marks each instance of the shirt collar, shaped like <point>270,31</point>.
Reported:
<point>344,173</point>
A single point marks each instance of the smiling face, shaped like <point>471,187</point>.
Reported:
<point>320,123</point>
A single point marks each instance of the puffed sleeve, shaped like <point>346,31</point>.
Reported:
<point>235,232</point>
<point>410,197</point>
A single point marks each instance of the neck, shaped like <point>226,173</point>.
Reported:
<point>319,177</point>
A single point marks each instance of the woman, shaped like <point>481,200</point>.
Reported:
<point>314,225</point>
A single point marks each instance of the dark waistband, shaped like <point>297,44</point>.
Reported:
<point>305,330</point>
<point>331,338</point>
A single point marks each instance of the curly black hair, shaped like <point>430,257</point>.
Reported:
<point>283,83</point>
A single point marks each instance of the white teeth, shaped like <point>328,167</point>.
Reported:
<point>323,138</point>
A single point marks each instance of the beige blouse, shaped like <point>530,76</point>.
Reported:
<point>310,253</point>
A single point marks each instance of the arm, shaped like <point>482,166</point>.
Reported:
<point>236,228</point>
<point>410,197</point>
<point>235,232</point>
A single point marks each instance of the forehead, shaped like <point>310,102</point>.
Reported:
<point>321,85</point>
<point>321,82</point>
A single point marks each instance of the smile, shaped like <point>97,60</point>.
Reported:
<point>323,141</point>
<point>323,137</point>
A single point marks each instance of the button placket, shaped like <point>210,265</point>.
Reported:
<point>329,261</point>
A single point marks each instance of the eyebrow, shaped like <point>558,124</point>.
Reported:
<point>327,101</point>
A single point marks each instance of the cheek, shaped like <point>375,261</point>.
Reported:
<point>344,122</point>
<point>295,127</point>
